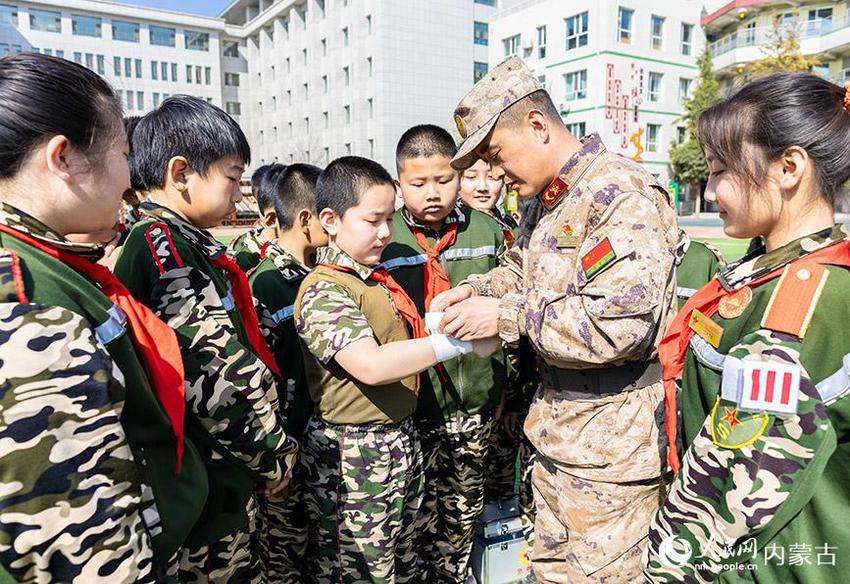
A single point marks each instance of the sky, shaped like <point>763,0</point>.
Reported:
<point>205,7</point>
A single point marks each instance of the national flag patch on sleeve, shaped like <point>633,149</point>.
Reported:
<point>597,258</point>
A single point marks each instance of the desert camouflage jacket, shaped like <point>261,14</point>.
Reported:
<point>592,285</point>
<point>762,486</point>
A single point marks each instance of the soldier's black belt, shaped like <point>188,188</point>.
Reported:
<point>601,381</point>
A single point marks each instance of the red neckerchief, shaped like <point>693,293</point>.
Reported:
<point>674,345</point>
<point>155,342</point>
<point>436,280</point>
<point>245,305</point>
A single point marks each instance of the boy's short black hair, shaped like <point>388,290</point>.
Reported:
<point>257,177</point>
<point>265,191</point>
<point>184,126</point>
<point>295,189</point>
<point>344,181</point>
<point>425,141</point>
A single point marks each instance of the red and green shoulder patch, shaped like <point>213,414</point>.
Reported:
<point>597,258</point>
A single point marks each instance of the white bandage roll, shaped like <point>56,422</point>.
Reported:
<point>447,347</point>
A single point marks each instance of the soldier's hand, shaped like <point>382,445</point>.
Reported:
<point>486,347</point>
<point>445,299</point>
<point>472,319</point>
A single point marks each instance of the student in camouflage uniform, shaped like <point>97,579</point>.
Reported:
<point>173,265</point>
<point>91,432</point>
<point>275,284</point>
<point>361,456</point>
<point>247,250</point>
<point>436,244</point>
<point>697,263</point>
<point>592,288</point>
<point>761,352</point>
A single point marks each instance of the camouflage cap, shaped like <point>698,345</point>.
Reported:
<point>479,110</point>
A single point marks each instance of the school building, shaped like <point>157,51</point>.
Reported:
<point>618,68</point>
<point>308,80</point>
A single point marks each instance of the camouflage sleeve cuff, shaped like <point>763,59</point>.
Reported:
<point>480,283</point>
<point>510,326</point>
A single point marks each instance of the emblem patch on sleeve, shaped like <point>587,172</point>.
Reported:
<point>597,258</point>
<point>734,428</point>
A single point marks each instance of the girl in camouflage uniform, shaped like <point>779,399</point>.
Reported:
<point>91,415</point>
<point>761,352</point>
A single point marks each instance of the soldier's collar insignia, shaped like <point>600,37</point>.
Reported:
<point>554,192</point>
<point>733,428</point>
<point>734,304</point>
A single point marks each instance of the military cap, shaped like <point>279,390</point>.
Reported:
<point>479,110</point>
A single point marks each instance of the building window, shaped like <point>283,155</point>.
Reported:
<point>138,63</point>
<point>681,134</point>
<point>371,148</point>
<point>8,14</point>
<point>576,85</point>
<point>188,74</point>
<point>231,79</point>
<point>347,111</point>
<point>577,129</point>
<point>486,2</point>
<point>511,45</point>
<point>542,80</point>
<point>306,125</point>
<point>234,108</point>
<point>324,48</point>
<point>288,97</point>
<point>101,68</point>
<point>78,58</point>
<point>348,147</point>
<point>163,66</point>
<point>89,61</point>
<point>304,56</point>
<point>116,66</point>
<point>819,22</point>
<point>198,71</point>
<point>288,65</point>
<point>197,41</point>
<point>4,49</point>
<point>624,25</point>
<point>162,36</point>
<point>128,70</point>
<point>657,33</point>
<point>479,70</point>
<point>684,89</point>
<point>369,24</point>
<point>208,75</point>
<point>687,39</point>
<point>154,70</point>
<point>274,103</point>
<point>750,34</point>
<point>371,106</point>
<point>326,118</point>
<point>85,25</point>
<point>369,65</point>
<point>125,31</point>
<point>306,90</point>
<point>174,72</point>
<point>60,53</point>
<point>345,36</point>
<point>140,100</point>
<point>230,49</point>
<point>156,99</point>
<point>653,137</point>
<point>541,42</point>
<point>324,83</point>
<point>346,72</point>
<point>655,86</point>
<point>576,27</point>
<point>327,152</point>
<point>482,33</point>
<point>45,20</point>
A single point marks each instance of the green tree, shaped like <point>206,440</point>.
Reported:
<point>687,158</point>
<point>782,52</point>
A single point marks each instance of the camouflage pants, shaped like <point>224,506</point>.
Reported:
<point>454,454</point>
<point>362,493</point>
<point>597,482</point>
<point>502,453</point>
<point>282,533</point>
<point>234,559</point>
<point>526,493</point>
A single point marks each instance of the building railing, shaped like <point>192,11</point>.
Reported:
<point>759,36</point>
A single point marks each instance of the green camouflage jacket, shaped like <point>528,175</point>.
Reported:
<point>247,249</point>
<point>231,395</point>
<point>475,385</point>
<point>763,490</point>
<point>275,284</point>
<point>697,263</point>
<point>73,503</point>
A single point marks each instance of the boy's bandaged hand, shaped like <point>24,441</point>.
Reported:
<point>445,346</point>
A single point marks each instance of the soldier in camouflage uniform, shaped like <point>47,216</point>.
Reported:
<point>761,353</point>
<point>181,272</point>
<point>697,262</point>
<point>248,249</point>
<point>592,288</point>
<point>91,488</point>
<point>275,284</point>
<point>361,454</point>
